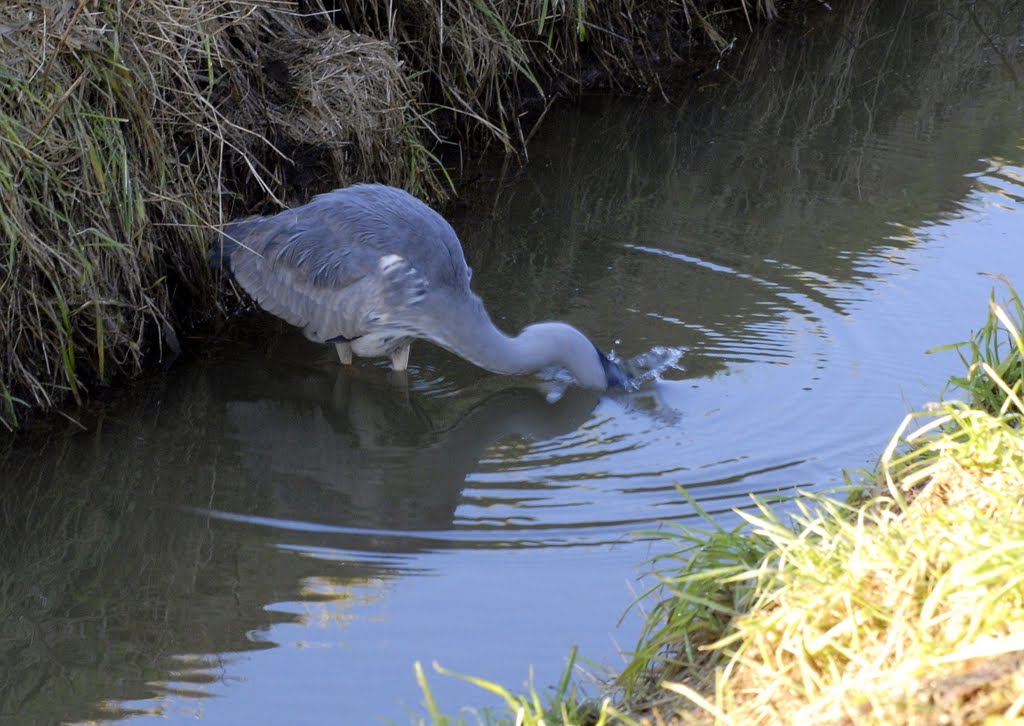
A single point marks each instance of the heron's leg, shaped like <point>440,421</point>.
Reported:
<point>344,353</point>
<point>341,392</point>
<point>400,380</point>
<point>400,358</point>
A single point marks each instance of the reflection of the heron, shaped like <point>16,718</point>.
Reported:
<point>355,448</point>
<point>348,465</point>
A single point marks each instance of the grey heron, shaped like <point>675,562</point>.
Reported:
<point>370,268</point>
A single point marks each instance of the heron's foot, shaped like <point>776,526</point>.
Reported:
<point>400,358</point>
<point>344,353</point>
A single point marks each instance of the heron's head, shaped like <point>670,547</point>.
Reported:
<point>615,375</point>
<point>547,344</point>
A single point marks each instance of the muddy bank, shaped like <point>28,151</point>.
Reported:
<point>131,129</point>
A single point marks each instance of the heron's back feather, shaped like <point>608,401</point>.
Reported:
<point>349,263</point>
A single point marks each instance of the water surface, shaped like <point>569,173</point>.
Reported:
<point>258,536</point>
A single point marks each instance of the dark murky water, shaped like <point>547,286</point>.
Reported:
<point>260,537</point>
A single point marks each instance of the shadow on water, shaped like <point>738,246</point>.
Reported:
<point>784,229</point>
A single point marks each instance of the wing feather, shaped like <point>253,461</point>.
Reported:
<point>346,264</point>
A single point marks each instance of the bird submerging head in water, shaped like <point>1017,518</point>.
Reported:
<point>370,268</point>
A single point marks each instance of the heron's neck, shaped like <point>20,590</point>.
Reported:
<point>532,350</point>
<point>537,347</point>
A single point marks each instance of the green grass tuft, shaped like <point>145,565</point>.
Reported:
<point>563,706</point>
<point>994,358</point>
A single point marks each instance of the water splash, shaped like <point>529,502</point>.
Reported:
<point>647,367</point>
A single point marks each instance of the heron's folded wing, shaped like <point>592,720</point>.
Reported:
<point>328,286</point>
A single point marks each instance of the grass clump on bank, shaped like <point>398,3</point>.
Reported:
<point>904,607</point>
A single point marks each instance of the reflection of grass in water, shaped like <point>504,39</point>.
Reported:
<point>55,542</point>
<point>819,154</point>
<point>842,96</point>
<point>102,580</point>
<point>99,592</point>
<point>329,602</point>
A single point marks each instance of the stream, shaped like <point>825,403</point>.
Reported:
<point>259,536</point>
